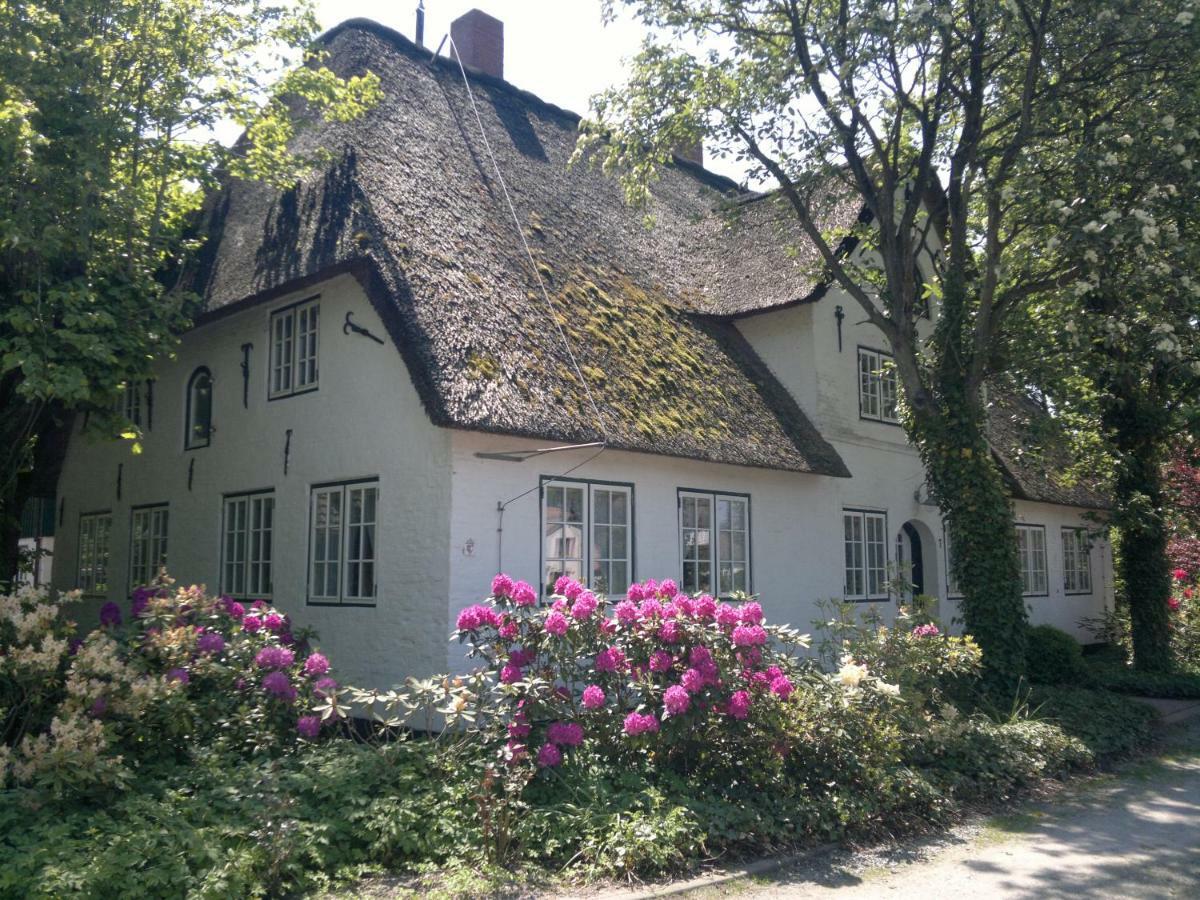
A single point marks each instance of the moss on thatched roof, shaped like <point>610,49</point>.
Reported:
<point>412,207</point>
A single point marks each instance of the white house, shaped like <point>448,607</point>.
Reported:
<point>352,428</point>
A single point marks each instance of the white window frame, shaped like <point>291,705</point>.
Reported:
<point>1077,560</point>
<point>1031,548</point>
<point>345,586</point>
<point>719,564</point>
<point>293,338</point>
<point>864,554</point>
<point>878,387</point>
<point>95,544</point>
<point>148,543</point>
<point>587,562</point>
<point>248,545</point>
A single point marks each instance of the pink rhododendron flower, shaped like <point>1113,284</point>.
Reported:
<point>210,642</point>
<point>519,729</point>
<point>141,599</point>
<point>556,624</point>
<point>510,674</point>
<point>650,608</point>
<point>611,659</point>
<point>502,586</point>
<point>565,734</point>
<point>274,658</point>
<point>929,630</point>
<point>782,687</point>
<point>316,664</point>
<point>669,631</point>
<point>608,626</point>
<point>676,700</point>
<point>235,610</point>
<point>309,726</point>
<point>704,607</point>
<point>251,624</point>
<point>509,630</point>
<point>522,656</point>
<point>699,655</point>
<point>739,704</point>
<point>1179,574</point>
<point>560,583</point>
<point>639,723</point>
<point>523,594</point>
<point>774,672</point>
<point>661,661</point>
<point>668,588</point>
<point>685,605</point>
<point>635,594</point>
<point>475,617</point>
<point>573,590</point>
<point>626,611</point>
<point>758,680</point>
<point>593,697</point>
<point>549,756</point>
<point>1173,603</point>
<point>278,684</point>
<point>273,622</point>
<point>585,606</point>
<point>749,636</point>
<point>649,587</point>
<point>325,687</point>
<point>727,616</point>
<point>693,681</point>
<point>179,674</point>
<point>752,614</point>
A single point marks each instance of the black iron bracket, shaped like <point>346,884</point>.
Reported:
<point>246,348</point>
<point>349,326</point>
<point>62,506</point>
<point>149,404</point>
<point>120,478</point>
<point>839,314</point>
<point>287,451</point>
<point>191,472</point>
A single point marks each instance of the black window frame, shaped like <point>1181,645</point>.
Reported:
<point>190,441</point>
<point>860,349</point>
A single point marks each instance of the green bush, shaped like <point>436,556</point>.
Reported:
<point>1106,723</point>
<point>1120,678</point>
<point>1054,657</point>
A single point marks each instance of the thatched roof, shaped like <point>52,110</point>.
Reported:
<point>1034,455</point>
<point>412,206</point>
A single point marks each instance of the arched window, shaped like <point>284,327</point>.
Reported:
<point>199,410</point>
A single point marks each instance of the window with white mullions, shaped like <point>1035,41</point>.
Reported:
<point>148,544</point>
<point>199,410</point>
<point>295,334</point>
<point>878,390</point>
<point>343,543</point>
<point>1077,561</point>
<point>864,541</point>
<point>587,534</point>
<point>360,543</point>
<point>248,524</point>
<point>94,532</point>
<point>714,543</point>
<point>1031,547</point>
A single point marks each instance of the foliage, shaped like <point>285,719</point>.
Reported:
<point>1054,657</point>
<point>1107,724</point>
<point>929,665</point>
<point>1122,679</point>
<point>1182,480</point>
<point>107,144</point>
<point>189,670</point>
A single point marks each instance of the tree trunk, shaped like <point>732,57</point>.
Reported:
<point>1138,498</point>
<point>969,489</point>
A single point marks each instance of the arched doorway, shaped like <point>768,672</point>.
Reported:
<point>916,560</point>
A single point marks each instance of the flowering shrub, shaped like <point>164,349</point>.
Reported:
<point>187,669</point>
<point>690,682</point>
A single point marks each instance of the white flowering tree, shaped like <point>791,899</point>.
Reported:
<point>939,116</point>
<point>1118,346</point>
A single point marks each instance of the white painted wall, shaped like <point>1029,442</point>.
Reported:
<point>364,420</point>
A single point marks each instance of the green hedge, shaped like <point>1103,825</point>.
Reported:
<point>1054,657</point>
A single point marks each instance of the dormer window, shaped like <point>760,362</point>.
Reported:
<point>877,388</point>
<point>199,410</point>
<point>294,340</point>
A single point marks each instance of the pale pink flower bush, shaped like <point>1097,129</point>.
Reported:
<point>185,669</point>
<point>653,674</point>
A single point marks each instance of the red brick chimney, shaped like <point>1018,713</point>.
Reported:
<point>479,39</point>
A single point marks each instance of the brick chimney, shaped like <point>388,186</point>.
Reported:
<point>480,42</point>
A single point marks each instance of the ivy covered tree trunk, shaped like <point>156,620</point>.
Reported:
<point>1138,497</point>
<point>968,487</point>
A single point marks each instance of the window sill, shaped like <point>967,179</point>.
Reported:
<point>296,393</point>
<point>1087,593</point>
<point>351,603</point>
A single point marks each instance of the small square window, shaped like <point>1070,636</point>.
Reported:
<point>878,389</point>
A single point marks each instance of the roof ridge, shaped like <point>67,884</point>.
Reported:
<point>410,47</point>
